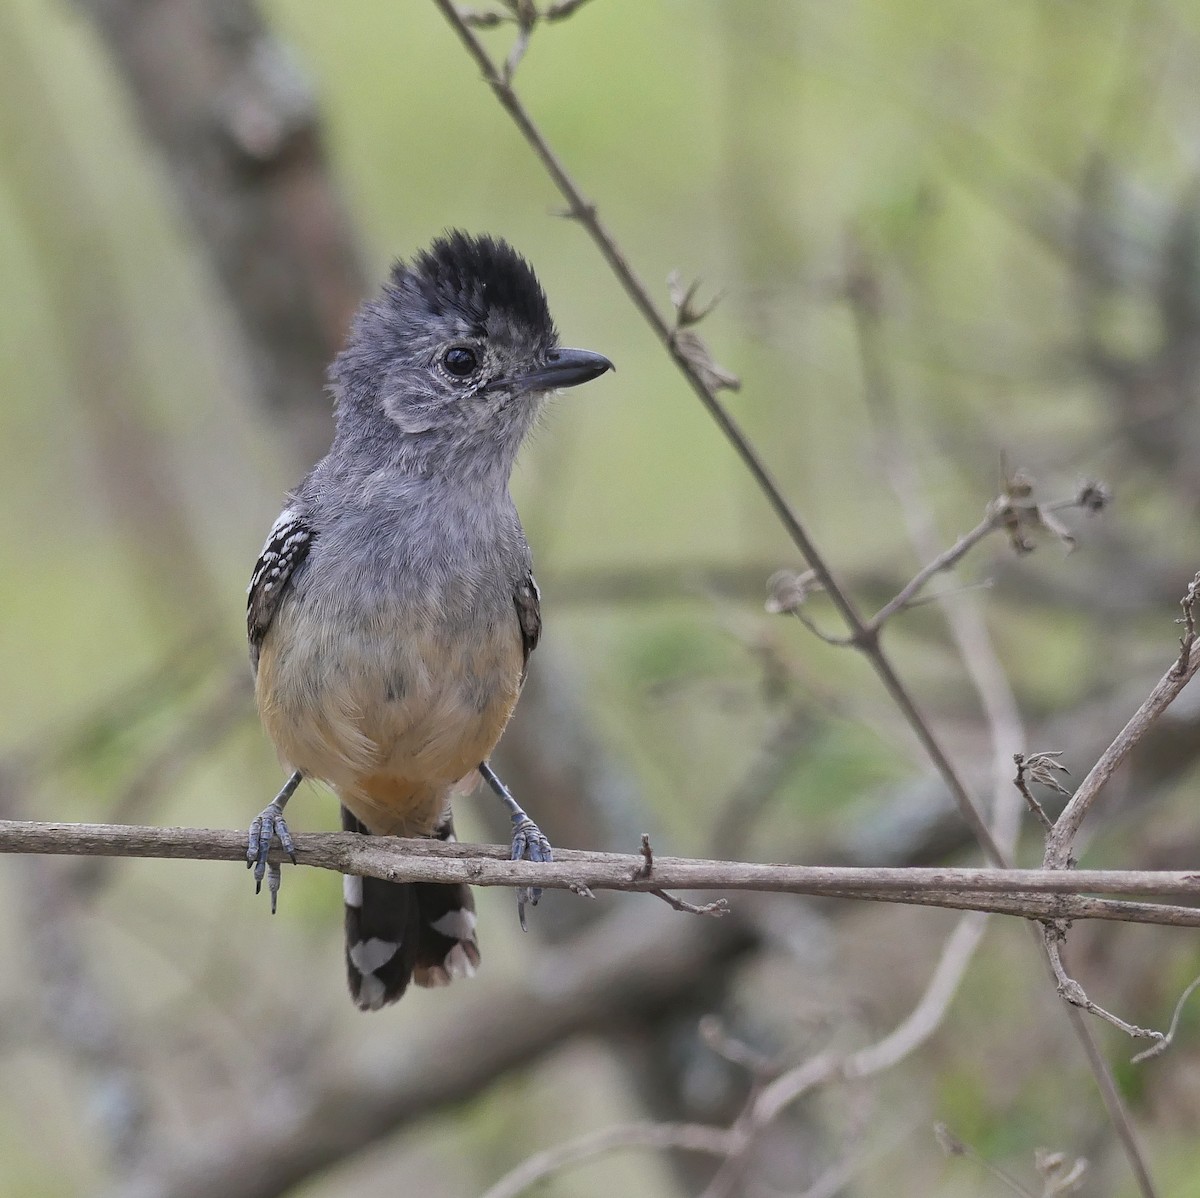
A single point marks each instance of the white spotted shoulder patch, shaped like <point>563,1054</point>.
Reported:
<point>287,546</point>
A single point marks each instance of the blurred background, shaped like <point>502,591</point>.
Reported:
<point>194,196</point>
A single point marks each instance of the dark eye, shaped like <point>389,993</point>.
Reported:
<point>460,361</point>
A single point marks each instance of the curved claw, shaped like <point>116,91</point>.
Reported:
<point>274,877</point>
<point>528,844</point>
<point>265,826</point>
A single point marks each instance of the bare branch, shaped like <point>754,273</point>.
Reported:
<point>828,637</point>
<point>397,860</point>
<point>1167,1040</point>
<point>926,1017</point>
<point>687,1137</point>
<point>1061,839</point>
<point>716,908</point>
<point>647,866</point>
<point>766,1106</point>
<point>1075,994</point>
<point>715,1036</point>
<point>1188,603</point>
<point>763,1109</point>
<point>946,560</point>
<point>1038,907</point>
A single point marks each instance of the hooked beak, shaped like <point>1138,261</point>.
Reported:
<point>564,368</point>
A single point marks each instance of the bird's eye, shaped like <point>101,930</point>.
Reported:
<point>460,361</point>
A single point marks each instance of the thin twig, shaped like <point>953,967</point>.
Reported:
<point>944,561</point>
<point>1061,839</point>
<point>1075,994</point>
<point>716,908</point>
<point>647,866</point>
<point>1166,1041</point>
<point>1188,603</point>
<point>737,1052</point>
<point>926,1017</point>
<point>764,1108</point>
<point>1114,1100</point>
<point>828,637</point>
<point>685,1137</point>
<point>1042,908</point>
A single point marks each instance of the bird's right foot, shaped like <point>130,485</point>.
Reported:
<point>266,825</point>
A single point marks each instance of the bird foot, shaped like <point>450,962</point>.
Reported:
<point>268,824</point>
<point>528,844</point>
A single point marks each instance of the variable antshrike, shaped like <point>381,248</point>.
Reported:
<point>392,612</point>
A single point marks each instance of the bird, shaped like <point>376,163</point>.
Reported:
<point>393,610</point>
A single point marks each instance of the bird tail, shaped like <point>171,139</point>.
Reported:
<point>397,932</point>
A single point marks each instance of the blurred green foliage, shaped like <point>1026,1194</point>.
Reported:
<point>745,144</point>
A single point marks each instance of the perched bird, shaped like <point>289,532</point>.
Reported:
<point>392,611</point>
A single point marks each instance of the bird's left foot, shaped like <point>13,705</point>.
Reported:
<point>268,824</point>
<point>528,844</point>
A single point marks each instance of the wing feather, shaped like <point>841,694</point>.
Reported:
<point>288,544</point>
<point>528,600</point>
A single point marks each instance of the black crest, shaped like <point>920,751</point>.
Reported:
<point>478,277</point>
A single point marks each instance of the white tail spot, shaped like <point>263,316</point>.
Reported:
<point>369,955</point>
<point>458,964</point>
<point>457,925</point>
<point>371,993</point>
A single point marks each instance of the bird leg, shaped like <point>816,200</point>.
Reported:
<point>268,824</point>
<point>528,843</point>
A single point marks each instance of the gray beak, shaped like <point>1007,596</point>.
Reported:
<point>564,368</point>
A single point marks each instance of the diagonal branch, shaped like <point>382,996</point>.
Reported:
<point>862,635</point>
<point>970,633</point>
<point>1060,840</point>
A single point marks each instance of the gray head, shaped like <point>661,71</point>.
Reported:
<point>453,360</point>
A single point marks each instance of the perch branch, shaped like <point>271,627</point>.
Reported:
<point>1033,893</point>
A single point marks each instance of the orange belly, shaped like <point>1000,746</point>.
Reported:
<point>391,723</point>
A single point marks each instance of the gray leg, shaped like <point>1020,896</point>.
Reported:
<point>268,824</point>
<point>528,843</point>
